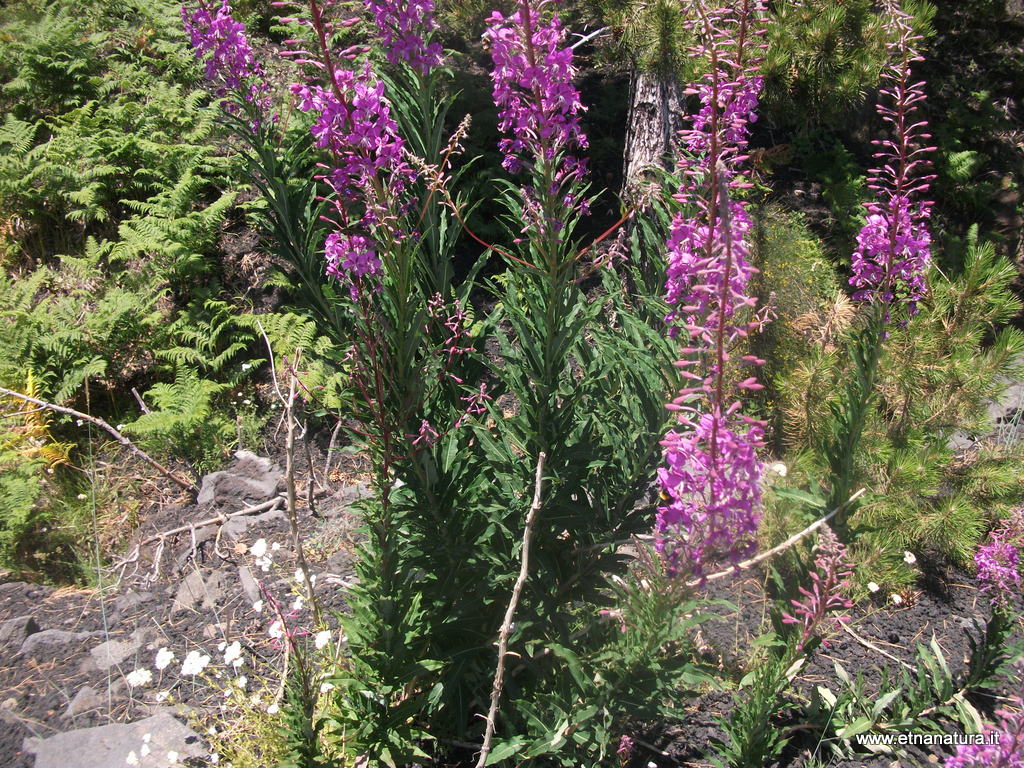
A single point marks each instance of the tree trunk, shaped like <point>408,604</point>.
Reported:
<point>655,116</point>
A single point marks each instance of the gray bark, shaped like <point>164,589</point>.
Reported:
<point>655,117</point>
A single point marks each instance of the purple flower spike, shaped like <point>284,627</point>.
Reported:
<point>539,107</point>
<point>712,475</point>
<point>354,122</point>
<point>829,587</point>
<point>998,560</point>
<point>712,479</point>
<point>1001,745</point>
<point>894,246</point>
<point>230,61</point>
<point>405,27</point>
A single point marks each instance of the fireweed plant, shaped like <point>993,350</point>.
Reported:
<point>360,179</point>
<point>893,248</point>
<point>365,209</point>
<point>712,477</point>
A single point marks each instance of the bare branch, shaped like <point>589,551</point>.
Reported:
<point>189,484</point>
<point>506,625</point>
<point>746,564</point>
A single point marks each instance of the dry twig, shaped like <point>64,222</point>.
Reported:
<point>189,484</point>
<point>747,564</point>
<point>506,625</point>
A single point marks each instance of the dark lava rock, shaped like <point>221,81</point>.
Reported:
<point>17,629</point>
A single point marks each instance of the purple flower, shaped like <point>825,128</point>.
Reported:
<point>539,107</point>
<point>998,560</point>
<point>354,122</point>
<point>698,268</point>
<point>351,259</point>
<point>894,246</point>
<point>893,251</point>
<point>1003,745</point>
<point>230,61</point>
<point>731,113</point>
<point>711,478</point>
<point>405,27</point>
<point>829,585</point>
<point>625,750</point>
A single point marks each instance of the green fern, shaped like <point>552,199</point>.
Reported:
<point>184,419</point>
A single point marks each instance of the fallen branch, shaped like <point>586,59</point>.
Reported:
<point>190,485</point>
<point>506,625</point>
<point>871,646</point>
<point>747,564</point>
<point>221,518</point>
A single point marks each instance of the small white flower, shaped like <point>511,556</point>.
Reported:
<point>120,427</point>
<point>214,758</point>
<point>908,558</point>
<point>299,575</point>
<point>82,497</point>
<point>242,681</point>
<point>211,731</point>
<point>273,709</point>
<point>777,468</point>
<point>276,630</point>
<point>194,663</point>
<point>146,737</point>
<point>132,758</point>
<point>297,605</point>
<point>233,655</point>
<point>162,695</point>
<point>312,579</point>
<point>322,639</point>
<point>872,587</point>
<point>163,658</point>
<point>247,402</point>
<point>258,606</point>
<point>172,757</point>
<point>259,549</point>
<point>246,366</point>
<point>144,750</point>
<point>896,599</point>
<point>325,687</point>
<point>139,677</point>
<point>275,546</point>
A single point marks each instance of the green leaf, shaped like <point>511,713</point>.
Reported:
<point>505,750</point>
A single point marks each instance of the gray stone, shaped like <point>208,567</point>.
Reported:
<point>198,592</point>
<point>272,516</point>
<point>107,746</point>
<point>49,639</point>
<point>87,699</point>
<point>235,528</point>
<point>16,630</point>
<point>105,655</point>
<point>250,480</point>
<point>211,631</point>
<point>130,599</point>
<point>339,503</point>
<point>249,585</point>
